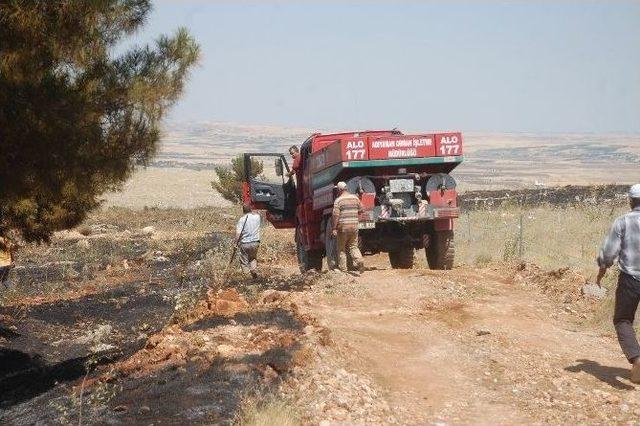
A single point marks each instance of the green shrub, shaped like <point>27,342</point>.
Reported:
<point>230,179</point>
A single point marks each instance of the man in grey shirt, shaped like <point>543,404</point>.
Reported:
<point>623,243</point>
<point>248,238</point>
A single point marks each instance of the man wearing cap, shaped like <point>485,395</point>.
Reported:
<point>345,227</point>
<point>623,243</point>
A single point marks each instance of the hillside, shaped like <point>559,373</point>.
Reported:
<point>184,165</point>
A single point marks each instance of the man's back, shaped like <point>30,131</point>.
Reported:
<point>347,206</point>
<point>248,228</point>
<point>623,242</point>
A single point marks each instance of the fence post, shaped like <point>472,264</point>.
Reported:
<point>520,239</point>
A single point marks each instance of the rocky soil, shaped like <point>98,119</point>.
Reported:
<point>151,337</point>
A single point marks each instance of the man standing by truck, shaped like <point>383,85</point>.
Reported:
<point>296,169</point>
<point>248,240</point>
<point>623,242</point>
<point>294,152</point>
<point>346,209</point>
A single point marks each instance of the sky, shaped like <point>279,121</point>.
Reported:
<point>486,66</point>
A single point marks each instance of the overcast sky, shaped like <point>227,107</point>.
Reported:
<point>505,66</point>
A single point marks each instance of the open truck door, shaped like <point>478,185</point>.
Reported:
<point>268,187</point>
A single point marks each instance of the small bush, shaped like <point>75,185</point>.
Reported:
<point>510,251</point>
<point>84,230</point>
<point>229,183</point>
<point>483,259</point>
<point>267,413</point>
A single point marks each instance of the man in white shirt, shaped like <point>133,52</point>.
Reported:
<point>623,244</point>
<point>248,238</point>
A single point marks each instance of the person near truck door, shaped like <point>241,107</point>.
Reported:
<point>295,156</point>
<point>296,169</point>
<point>623,243</point>
<point>6,259</point>
<point>248,238</point>
<point>346,209</point>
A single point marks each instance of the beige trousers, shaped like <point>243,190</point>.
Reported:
<point>248,256</point>
<point>347,241</point>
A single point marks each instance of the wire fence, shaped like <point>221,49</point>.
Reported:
<point>552,237</point>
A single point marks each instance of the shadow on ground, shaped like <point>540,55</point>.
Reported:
<point>24,376</point>
<point>33,388</point>
<point>47,346</point>
<point>193,395</point>
<point>606,374</point>
<point>276,317</point>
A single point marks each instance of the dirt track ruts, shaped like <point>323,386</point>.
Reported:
<point>475,347</point>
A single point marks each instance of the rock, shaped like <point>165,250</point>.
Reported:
<point>160,260</point>
<point>102,347</point>
<point>482,332</point>
<point>96,336</point>
<point>226,350</point>
<point>148,230</point>
<point>593,290</point>
<point>270,374</point>
<point>271,296</point>
<point>83,244</point>
<point>144,409</point>
<point>226,302</point>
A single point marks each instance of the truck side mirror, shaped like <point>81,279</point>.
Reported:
<point>279,167</point>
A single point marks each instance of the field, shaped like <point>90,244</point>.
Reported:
<point>118,321</point>
<point>136,316</point>
<point>181,174</point>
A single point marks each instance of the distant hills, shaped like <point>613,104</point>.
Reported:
<point>180,174</point>
<point>492,160</point>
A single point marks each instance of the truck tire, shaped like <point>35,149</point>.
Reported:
<point>307,259</point>
<point>441,250</point>
<point>402,258</point>
<point>330,247</point>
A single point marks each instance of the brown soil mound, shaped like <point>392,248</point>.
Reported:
<point>563,284</point>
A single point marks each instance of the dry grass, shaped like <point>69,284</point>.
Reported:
<point>267,413</point>
<point>167,187</point>
<point>110,247</point>
<point>552,237</point>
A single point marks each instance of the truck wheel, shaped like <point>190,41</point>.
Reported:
<point>441,250</point>
<point>402,258</point>
<point>307,260</point>
<point>330,247</point>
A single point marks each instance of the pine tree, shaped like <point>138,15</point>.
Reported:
<point>229,183</point>
<point>74,117</point>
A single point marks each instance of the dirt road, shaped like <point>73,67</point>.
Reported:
<point>475,347</point>
<point>498,345</point>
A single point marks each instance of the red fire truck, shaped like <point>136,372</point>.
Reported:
<point>403,182</point>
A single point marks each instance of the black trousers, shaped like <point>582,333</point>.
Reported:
<point>627,298</point>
